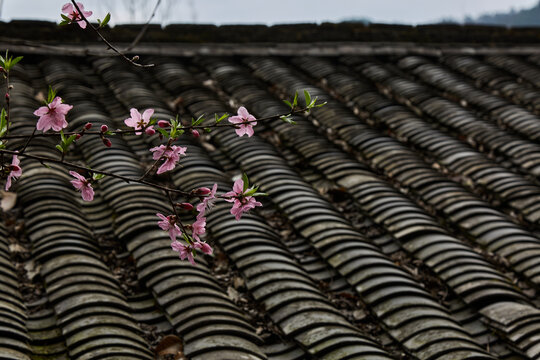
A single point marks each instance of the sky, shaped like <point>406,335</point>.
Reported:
<point>266,11</point>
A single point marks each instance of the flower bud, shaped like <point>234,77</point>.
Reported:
<point>135,58</point>
<point>150,131</point>
<point>195,133</point>
<point>107,142</point>
<point>163,123</point>
<point>203,191</point>
<point>104,128</point>
<point>7,96</point>
<point>88,126</point>
<point>185,206</point>
<point>78,136</point>
<point>2,70</point>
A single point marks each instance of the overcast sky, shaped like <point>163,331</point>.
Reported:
<point>266,11</point>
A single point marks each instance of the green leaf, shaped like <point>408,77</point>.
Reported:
<point>288,103</point>
<point>251,192</point>
<point>246,181</point>
<point>221,118</point>
<point>3,120</point>
<point>51,95</point>
<point>187,238</point>
<point>287,119</point>
<point>163,132</point>
<point>16,60</point>
<point>198,121</point>
<point>207,130</point>
<point>321,105</point>
<point>97,176</point>
<point>65,18</point>
<point>60,148</point>
<point>62,137</point>
<point>70,139</point>
<point>105,20</point>
<point>295,100</point>
<point>260,194</point>
<point>307,98</point>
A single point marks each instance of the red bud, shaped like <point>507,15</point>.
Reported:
<point>78,136</point>
<point>7,96</point>
<point>88,126</point>
<point>107,142</point>
<point>104,128</point>
<point>185,206</point>
<point>163,123</point>
<point>203,191</point>
<point>195,133</point>
<point>150,131</point>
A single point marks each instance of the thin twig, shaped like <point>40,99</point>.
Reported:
<point>111,46</point>
<point>8,101</point>
<point>44,159</point>
<point>156,163</point>
<point>143,30</point>
<point>173,204</point>
<point>28,141</point>
<point>131,132</point>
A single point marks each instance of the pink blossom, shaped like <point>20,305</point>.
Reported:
<point>204,247</point>
<point>184,251</point>
<point>171,154</point>
<point>53,115</point>
<point>168,223</point>
<point>74,15</point>
<point>83,185</point>
<point>198,228</point>
<point>137,121</point>
<point>242,203</point>
<point>207,202</point>
<point>241,118</point>
<point>15,171</point>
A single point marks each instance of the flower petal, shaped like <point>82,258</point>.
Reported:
<point>147,114</point>
<point>67,8</point>
<point>135,115</point>
<point>243,113</point>
<point>238,186</point>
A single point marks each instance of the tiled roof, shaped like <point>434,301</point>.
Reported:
<point>401,222</point>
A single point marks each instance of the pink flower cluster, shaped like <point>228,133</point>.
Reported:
<point>198,228</point>
<point>171,154</point>
<point>74,15</point>
<point>242,203</point>
<point>52,116</point>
